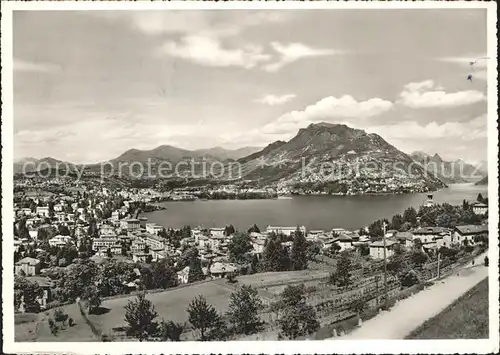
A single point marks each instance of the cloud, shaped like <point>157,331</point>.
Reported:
<point>273,100</point>
<point>426,94</point>
<point>208,51</point>
<point>34,67</point>
<point>467,131</point>
<point>292,52</point>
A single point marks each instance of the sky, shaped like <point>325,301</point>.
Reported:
<point>89,85</point>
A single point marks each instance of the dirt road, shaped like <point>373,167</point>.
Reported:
<point>412,312</point>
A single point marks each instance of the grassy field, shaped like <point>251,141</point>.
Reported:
<point>466,318</point>
<point>170,305</point>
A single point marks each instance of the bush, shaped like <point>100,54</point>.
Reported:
<point>60,316</point>
<point>53,327</point>
<point>71,322</point>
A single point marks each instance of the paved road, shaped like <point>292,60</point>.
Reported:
<point>410,313</point>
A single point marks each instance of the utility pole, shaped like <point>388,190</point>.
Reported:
<point>385,269</point>
<point>438,266</point>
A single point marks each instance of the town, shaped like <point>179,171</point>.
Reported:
<point>89,242</point>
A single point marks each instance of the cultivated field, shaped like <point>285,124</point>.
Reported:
<point>170,305</point>
<point>466,318</point>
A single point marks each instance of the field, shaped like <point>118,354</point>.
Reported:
<point>170,305</point>
<point>466,318</point>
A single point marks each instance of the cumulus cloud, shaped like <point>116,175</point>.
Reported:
<point>210,52</point>
<point>427,94</point>
<point>273,100</point>
<point>289,53</point>
<point>34,67</point>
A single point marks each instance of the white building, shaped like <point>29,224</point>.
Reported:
<point>153,228</point>
<point>377,249</point>
<point>42,211</point>
<point>468,232</point>
<point>104,243</point>
<point>479,208</point>
<point>60,240</point>
<point>130,224</point>
<point>285,230</point>
<point>217,232</point>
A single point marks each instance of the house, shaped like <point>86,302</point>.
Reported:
<point>105,243</point>
<point>258,246</point>
<point>154,241</point>
<point>29,266</point>
<point>115,215</point>
<point>183,275</point>
<point>138,245</point>
<point>288,231</point>
<point>140,257</point>
<point>220,270</point>
<point>25,211</point>
<point>469,232</point>
<point>130,224</point>
<point>404,238</point>
<point>42,211</point>
<point>217,232</point>
<point>107,230</point>
<point>58,208</point>
<point>377,249</point>
<point>153,228</point>
<point>344,241</point>
<point>61,217</point>
<point>479,208</point>
<point>60,240</point>
<point>314,235</point>
<point>431,237</point>
<point>159,254</point>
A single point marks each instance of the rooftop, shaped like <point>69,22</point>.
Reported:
<point>472,229</point>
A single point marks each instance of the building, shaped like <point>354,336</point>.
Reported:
<point>153,228</point>
<point>431,237</point>
<point>45,285</point>
<point>141,257</point>
<point>42,211</point>
<point>138,246</point>
<point>258,246</point>
<point>60,240</point>
<point>183,275</point>
<point>344,241</point>
<point>61,217</point>
<point>217,232</point>
<point>377,249</point>
<point>288,231</point>
<point>469,232</point>
<point>115,215</point>
<point>154,241</point>
<point>30,266</point>
<point>220,270</point>
<point>479,208</point>
<point>105,243</point>
<point>130,224</point>
<point>404,238</point>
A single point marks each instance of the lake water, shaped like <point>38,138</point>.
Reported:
<point>315,212</point>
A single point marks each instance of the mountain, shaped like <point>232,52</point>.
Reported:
<point>30,164</point>
<point>453,172</point>
<point>483,181</point>
<point>335,158</point>
<point>226,154</point>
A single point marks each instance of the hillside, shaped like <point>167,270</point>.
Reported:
<point>333,158</point>
<point>449,172</point>
<point>483,181</point>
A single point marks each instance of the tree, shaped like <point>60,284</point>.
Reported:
<point>254,229</point>
<point>27,292</point>
<point>480,198</point>
<point>63,229</point>
<point>410,216</point>
<point>397,222</point>
<point>274,257</point>
<point>91,295</point>
<point>140,315</point>
<point>418,258</point>
<point>206,320</point>
<point>296,317</point>
<point>313,249</point>
<point>364,250</point>
<point>229,230</point>
<point>22,229</point>
<point>299,251</point>
<point>195,270</point>
<point>465,205</point>
<point>343,272</point>
<point>108,253</point>
<point>239,247</point>
<point>171,330</point>
<point>93,231</point>
<point>243,310</point>
<point>255,264</point>
<point>79,277</point>
<point>163,274</point>
<point>358,306</point>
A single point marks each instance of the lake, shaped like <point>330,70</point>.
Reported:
<point>315,212</point>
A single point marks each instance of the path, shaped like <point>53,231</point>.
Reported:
<point>410,313</point>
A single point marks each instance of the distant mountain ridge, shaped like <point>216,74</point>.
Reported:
<point>363,163</point>
<point>450,172</point>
